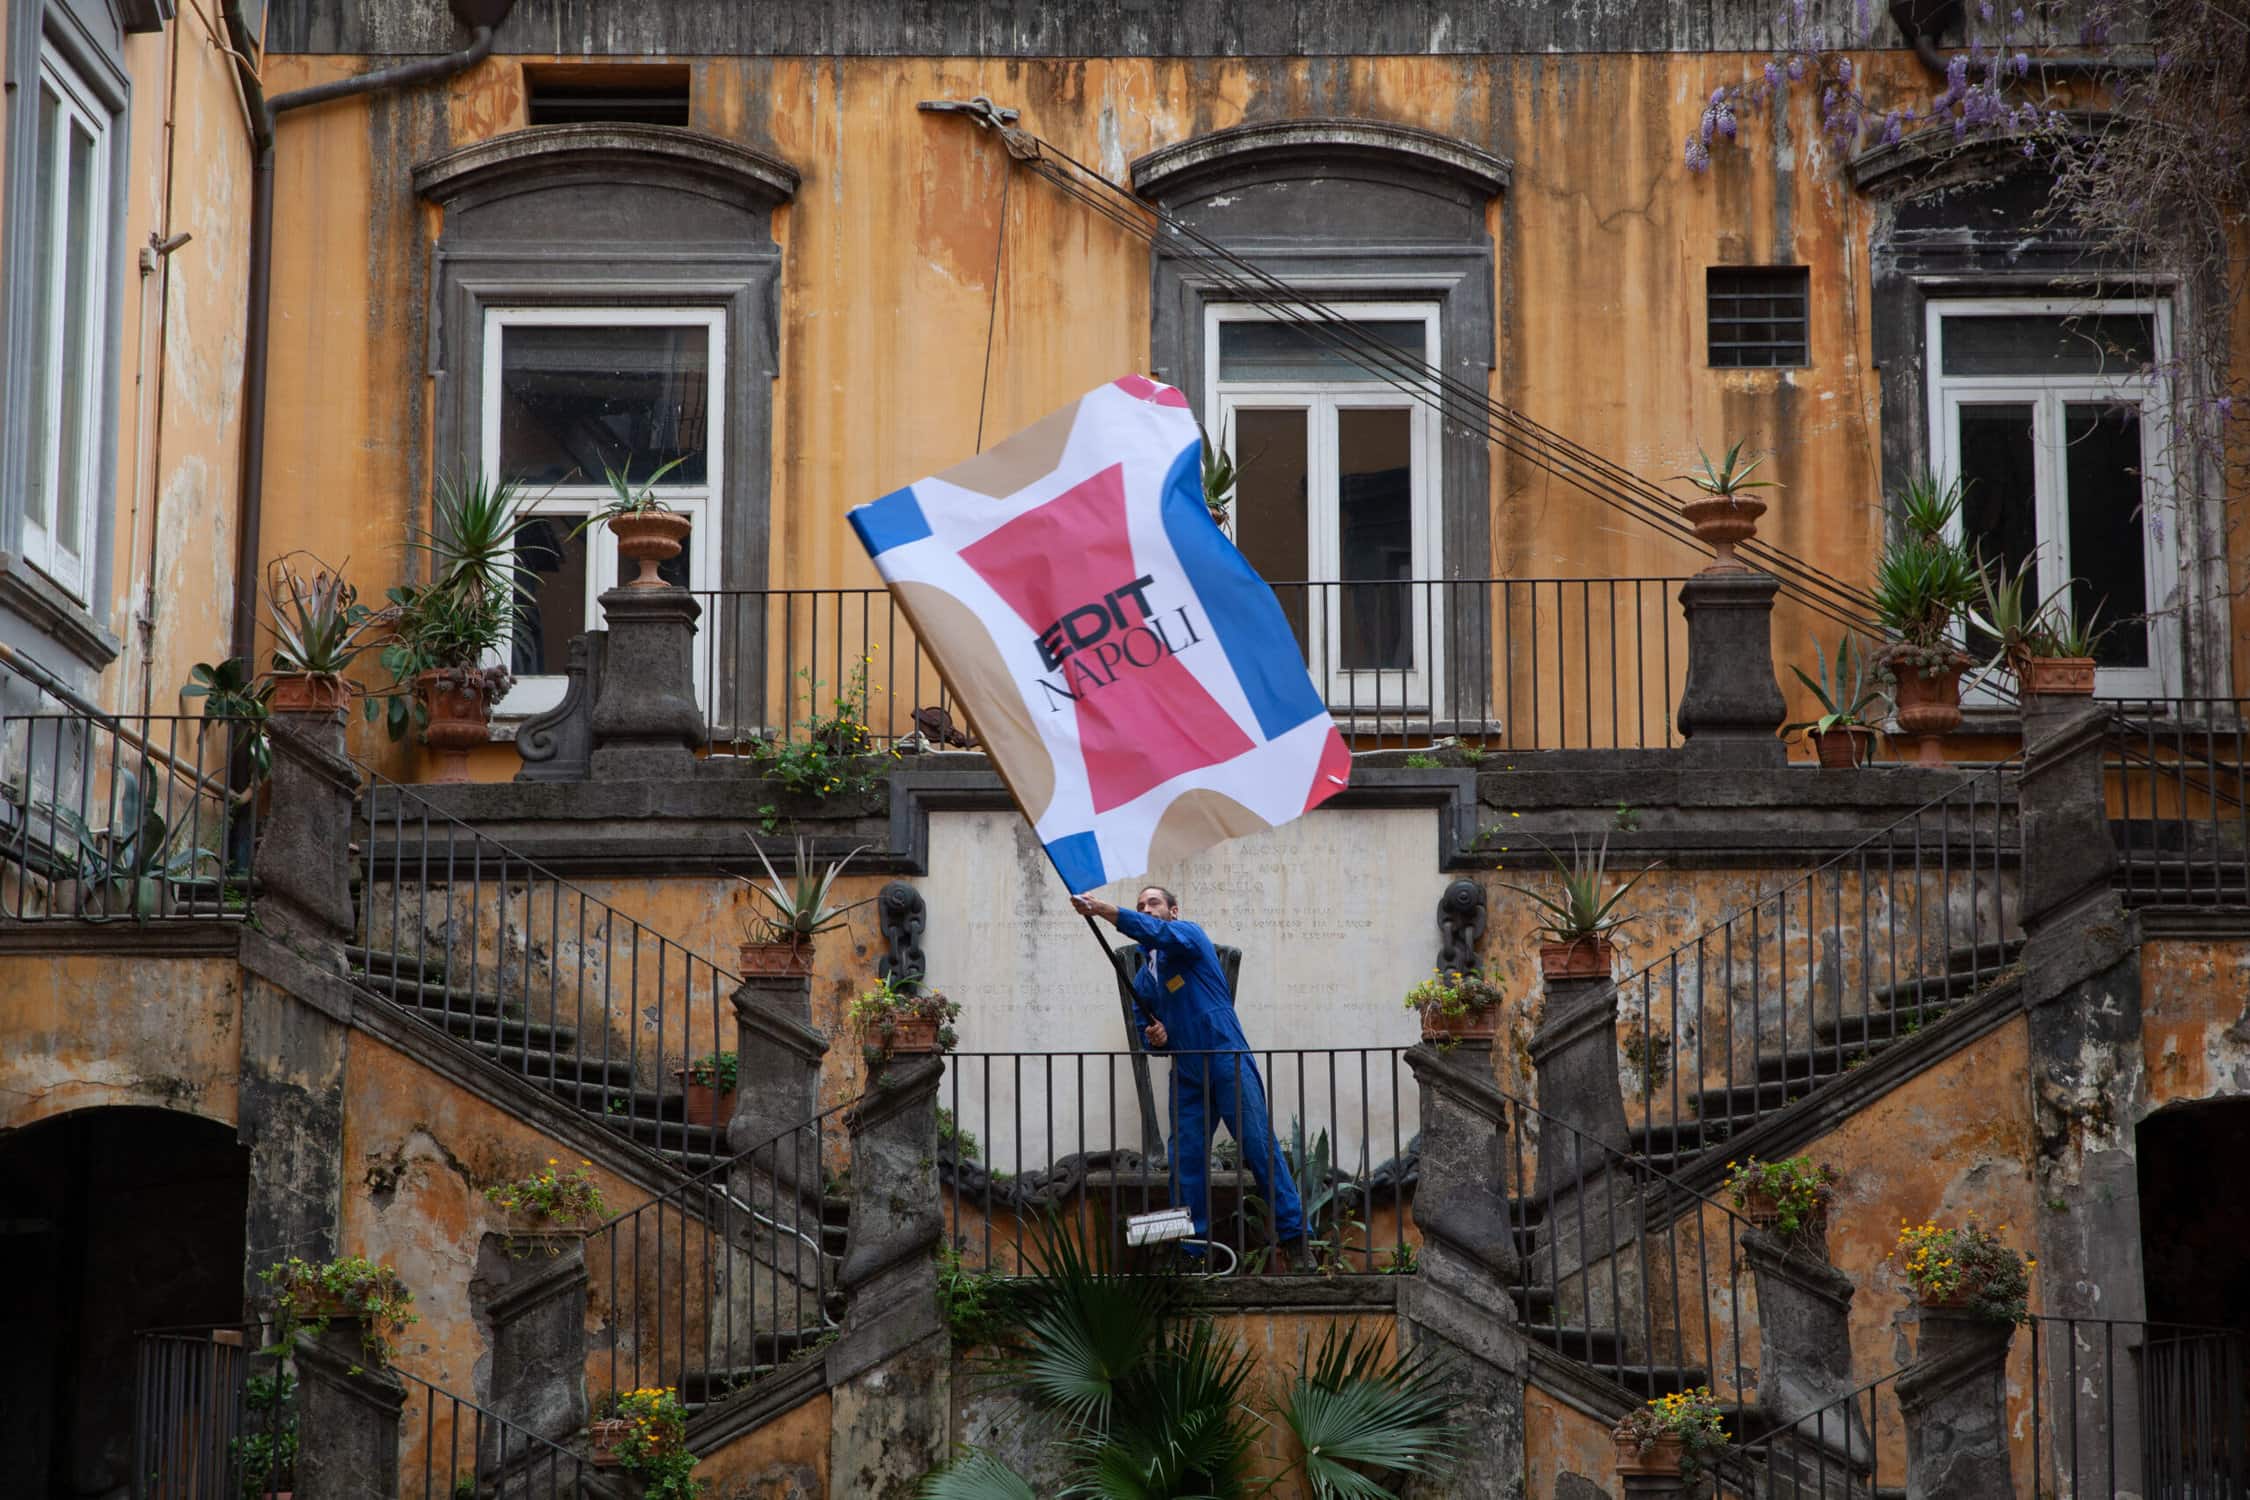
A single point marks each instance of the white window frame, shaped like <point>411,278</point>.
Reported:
<point>699,501</point>
<point>2049,396</point>
<point>1375,689</point>
<point>68,560</point>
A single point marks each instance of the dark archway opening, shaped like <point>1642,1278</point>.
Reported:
<point>2195,1227</point>
<point>116,1220</point>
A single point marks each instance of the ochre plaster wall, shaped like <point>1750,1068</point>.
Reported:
<point>786,1459</point>
<point>90,1031</point>
<point>1559,1439</point>
<point>2195,994</point>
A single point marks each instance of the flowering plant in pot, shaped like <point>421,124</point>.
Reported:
<point>707,1085</point>
<point>903,1017</point>
<point>1923,582</point>
<point>648,531</point>
<point>549,1205</point>
<point>1841,735</point>
<point>1726,515</point>
<point>1684,1433</point>
<point>1788,1199</point>
<point>1456,1005</point>
<point>644,1433</point>
<point>797,910</point>
<point>319,629</point>
<point>1581,917</point>
<point>308,1294</point>
<point>1965,1268</point>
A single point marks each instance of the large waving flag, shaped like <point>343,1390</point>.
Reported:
<point>1133,679</point>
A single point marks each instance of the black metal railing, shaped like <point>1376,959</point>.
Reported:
<point>1830,1453</point>
<point>1817,977</point>
<point>454,1449</point>
<point>2179,786</point>
<point>140,817</point>
<point>1519,663</point>
<point>719,1282</point>
<point>214,1414</point>
<point>2130,1408</point>
<point>534,973</point>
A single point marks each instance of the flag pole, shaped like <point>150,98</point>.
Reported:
<point>1152,1136</point>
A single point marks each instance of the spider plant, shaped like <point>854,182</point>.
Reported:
<point>1730,476</point>
<point>1582,910</point>
<point>319,626</point>
<point>1927,508</point>
<point>1846,694</point>
<point>473,541</point>
<point>800,906</point>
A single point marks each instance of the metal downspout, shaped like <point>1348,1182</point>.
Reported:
<point>264,112</point>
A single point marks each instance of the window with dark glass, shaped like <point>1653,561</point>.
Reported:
<point>1758,316</point>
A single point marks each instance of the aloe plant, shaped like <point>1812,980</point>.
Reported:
<point>628,497</point>
<point>1730,476</point>
<point>319,625</point>
<point>1582,910</point>
<point>800,906</point>
<point>1846,693</point>
<point>1219,477</point>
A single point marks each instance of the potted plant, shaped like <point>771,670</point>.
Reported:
<point>1684,1433</point>
<point>708,1084</point>
<point>648,531</point>
<point>1219,478</point>
<point>1923,582</point>
<point>1788,1199</point>
<point>780,940</point>
<point>644,1433</point>
<point>549,1207</point>
<point>1580,919</point>
<point>131,873</point>
<point>319,629</point>
<point>1456,1006</point>
<point>903,1018</point>
<point>446,634</point>
<point>1964,1269</point>
<point>1725,515</point>
<point>266,1450</point>
<point>1841,736</point>
<point>308,1294</point>
<point>2058,657</point>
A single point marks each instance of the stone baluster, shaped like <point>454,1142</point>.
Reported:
<point>347,1418</point>
<point>1954,1397</point>
<point>1731,707</point>
<point>778,1054</point>
<point>532,1289</point>
<point>303,863</point>
<point>1574,1052</point>
<point>1805,1360</point>
<point>647,724</point>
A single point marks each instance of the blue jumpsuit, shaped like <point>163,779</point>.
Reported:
<point>1183,985</point>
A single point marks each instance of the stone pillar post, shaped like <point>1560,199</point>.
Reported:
<point>1575,1053</point>
<point>303,863</point>
<point>890,1371</point>
<point>1731,708</point>
<point>1805,1360</point>
<point>1954,1397</point>
<point>646,722</point>
<point>2082,992</point>
<point>347,1424</point>
<point>778,1055</point>
<point>1458,1301</point>
<point>531,1288</point>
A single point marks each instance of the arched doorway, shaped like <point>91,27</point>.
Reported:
<point>116,1220</point>
<point>2195,1228</point>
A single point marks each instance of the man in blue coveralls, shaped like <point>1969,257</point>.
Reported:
<point>1182,995</point>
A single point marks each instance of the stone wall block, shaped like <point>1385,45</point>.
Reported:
<point>532,1289</point>
<point>1575,1054</point>
<point>1805,1348</point>
<point>777,1087</point>
<point>303,862</point>
<point>347,1422</point>
<point>1731,708</point>
<point>1954,1397</point>
<point>647,723</point>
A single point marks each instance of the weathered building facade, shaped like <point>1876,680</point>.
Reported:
<point>1443,281</point>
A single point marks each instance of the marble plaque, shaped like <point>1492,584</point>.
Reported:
<point>1335,915</point>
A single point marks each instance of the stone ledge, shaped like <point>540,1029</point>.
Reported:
<point>771,1399</point>
<point>167,937</point>
<point>1229,1294</point>
<point>2214,922</point>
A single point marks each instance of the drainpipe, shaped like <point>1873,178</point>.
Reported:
<point>264,113</point>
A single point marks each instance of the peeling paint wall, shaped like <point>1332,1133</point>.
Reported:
<point>2195,1019</point>
<point>167,1037</point>
<point>786,1459</point>
<point>1567,1454</point>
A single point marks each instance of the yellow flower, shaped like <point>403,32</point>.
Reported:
<point>550,1161</point>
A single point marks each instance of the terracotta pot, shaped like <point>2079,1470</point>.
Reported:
<point>2060,676</point>
<point>605,1434</point>
<point>911,1036</point>
<point>1764,1212</point>
<point>460,720</point>
<point>706,1104</point>
<point>1845,748</point>
<point>1662,1458</point>
<point>786,960</point>
<point>1477,1025</point>
<point>1723,523</point>
<point>308,693</point>
<point>1928,706</point>
<point>1583,958</point>
<point>649,538</point>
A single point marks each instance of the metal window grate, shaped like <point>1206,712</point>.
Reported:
<point>1758,316</point>
<point>645,94</point>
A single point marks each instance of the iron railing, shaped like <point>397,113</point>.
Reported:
<point>1835,1452</point>
<point>1811,980</point>
<point>1519,663</point>
<point>127,817</point>
<point>2179,784</point>
<point>454,1449</point>
<point>719,1282</point>
<point>213,1415</point>
<point>534,973</point>
<point>1614,1264</point>
<point>2157,1410</point>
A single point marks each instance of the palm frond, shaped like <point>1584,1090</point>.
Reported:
<point>1356,1409</point>
<point>975,1475</point>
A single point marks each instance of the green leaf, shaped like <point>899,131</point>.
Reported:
<point>975,1475</point>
